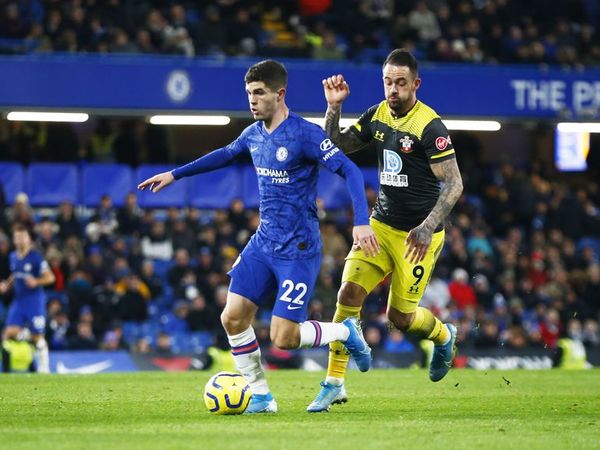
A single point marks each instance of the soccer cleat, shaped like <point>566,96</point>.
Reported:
<point>330,394</point>
<point>264,403</point>
<point>341,398</point>
<point>356,345</point>
<point>442,357</point>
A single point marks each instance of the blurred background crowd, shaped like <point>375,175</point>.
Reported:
<point>496,31</point>
<point>520,267</point>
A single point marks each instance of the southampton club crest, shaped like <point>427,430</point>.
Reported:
<point>281,154</point>
<point>406,144</point>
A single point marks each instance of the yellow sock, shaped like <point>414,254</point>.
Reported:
<point>427,326</point>
<point>338,355</point>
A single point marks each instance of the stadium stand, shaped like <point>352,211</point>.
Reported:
<point>12,178</point>
<point>527,275</point>
<point>495,31</point>
<point>52,183</point>
<point>105,179</point>
<point>176,197</point>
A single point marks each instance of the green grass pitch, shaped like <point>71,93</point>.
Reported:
<point>387,409</point>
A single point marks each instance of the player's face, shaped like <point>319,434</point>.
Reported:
<point>263,101</point>
<point>21,239</point>
<point>400,87</point>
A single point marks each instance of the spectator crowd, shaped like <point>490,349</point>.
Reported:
<point>541,32</point>
<point>520,268</point>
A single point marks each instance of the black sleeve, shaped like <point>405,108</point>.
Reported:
<point>362,128</point>
<point>436,142</point>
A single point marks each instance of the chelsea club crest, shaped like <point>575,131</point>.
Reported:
<point>281,154</point>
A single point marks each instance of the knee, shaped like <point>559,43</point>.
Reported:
<point>400,320</point>
<point>232,323</point>
<point>351,294</point>
<point>283,340</point>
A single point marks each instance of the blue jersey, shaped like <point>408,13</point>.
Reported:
<point>287,165</point>
<point>32,264</point>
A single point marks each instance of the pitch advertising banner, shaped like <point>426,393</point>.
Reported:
<point>87,362</point>
<point>84,362</point>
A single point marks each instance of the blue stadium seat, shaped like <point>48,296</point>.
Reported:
<point>181,343</point>
<point>132,331</point>
<point>332,189</point>
<point>161,268</point>
<point>115,180</point>
<point>216,189</point>
<point>201,340</point>
<point>174,195</point>
<point>12,179</point>
<point>49,184</point>
<point>371,176</point>
<point>249,187</point>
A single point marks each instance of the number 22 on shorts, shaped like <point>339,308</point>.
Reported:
<point>297,290</point>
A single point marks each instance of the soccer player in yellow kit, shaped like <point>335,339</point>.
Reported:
<point>415,154</point>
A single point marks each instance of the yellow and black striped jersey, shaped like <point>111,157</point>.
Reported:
<point>406,146</point>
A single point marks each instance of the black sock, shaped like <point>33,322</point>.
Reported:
<point>5,360</point>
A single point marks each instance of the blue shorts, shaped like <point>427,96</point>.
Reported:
<point>257,276</point>
<point>28,313</point>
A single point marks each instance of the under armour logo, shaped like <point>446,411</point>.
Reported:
<point>379,135</point>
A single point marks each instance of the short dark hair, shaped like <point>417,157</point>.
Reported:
<point>402,57</point>
<point>19,226</point>
<point>270,72</point>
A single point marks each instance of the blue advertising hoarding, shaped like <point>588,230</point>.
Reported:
<point>145,84</point>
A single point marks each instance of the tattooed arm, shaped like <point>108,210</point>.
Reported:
<point>345,139</point>
<point>419,238</point>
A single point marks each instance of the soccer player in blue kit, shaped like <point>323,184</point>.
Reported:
<point>284,255</point>
<point>29,273</point>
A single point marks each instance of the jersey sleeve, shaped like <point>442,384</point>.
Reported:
<point>436,142</point>
<point>319,148</point>
<point>39,265</point>
<point>216,159</point>
<point>362,128</point>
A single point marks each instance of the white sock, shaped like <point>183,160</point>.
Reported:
<point>333,380</point>
<point>317,334</point>
<point>246,354</point>
<point>43,359</point>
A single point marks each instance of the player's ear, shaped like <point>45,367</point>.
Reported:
<point>281,94</point>
<point>417,83</point>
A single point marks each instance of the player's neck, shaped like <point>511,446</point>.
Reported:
<point>280,115</point>
<point>21,252</point>
<point>405,108</point>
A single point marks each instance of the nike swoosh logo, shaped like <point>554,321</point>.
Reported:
<point>253,148</point>
<point>294,307</point>
<point>90,368</point>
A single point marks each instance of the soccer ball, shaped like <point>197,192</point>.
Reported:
<point>227,393</point>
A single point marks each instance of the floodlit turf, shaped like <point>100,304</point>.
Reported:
<point>387,409</point>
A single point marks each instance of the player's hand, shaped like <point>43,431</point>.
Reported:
<point>157,182</point>
<point>31,282</point>
<point>3,287</point>
<point>365,238</point>
<point>417,243</point>
<point>336,90</point>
